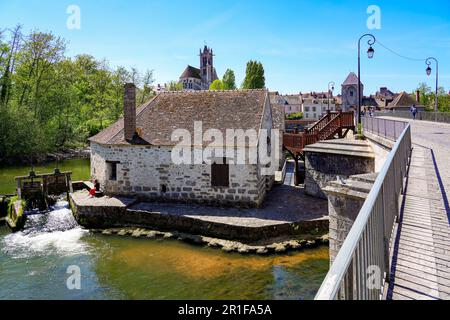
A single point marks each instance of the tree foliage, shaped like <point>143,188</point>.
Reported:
<point>174,86</point>
<point>427,98</point>
<point>295,116</point>
<point>254,76</point>
<point>229,80</point>
<point>216,85</point>
<point>51,102</point>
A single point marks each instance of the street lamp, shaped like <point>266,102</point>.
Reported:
<point>428,62</point>
<point>330,90</point>
<point>370,53</point>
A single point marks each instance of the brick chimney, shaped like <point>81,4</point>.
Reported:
<point>418,96</point>
<point>129,111</point>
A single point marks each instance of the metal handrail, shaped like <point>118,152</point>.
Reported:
<point>387,128</point>
<point>367,243</point>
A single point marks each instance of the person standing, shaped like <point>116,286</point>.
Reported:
<point>414,111</point>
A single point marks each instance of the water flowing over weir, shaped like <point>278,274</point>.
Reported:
<point>55,232</point>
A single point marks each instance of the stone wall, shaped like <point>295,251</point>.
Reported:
<point>148,172</point>
<point>120,216</point>
<point>381,147</point>
<point>321,168</point>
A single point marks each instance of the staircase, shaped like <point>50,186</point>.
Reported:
<point>332,125</point>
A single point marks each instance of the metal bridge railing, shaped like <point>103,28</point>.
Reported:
<point>389,129</point>
<point>362,265</point>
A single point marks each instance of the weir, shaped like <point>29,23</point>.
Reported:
<point>36,192</point>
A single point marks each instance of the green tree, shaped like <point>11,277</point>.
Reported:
<point>174,86</point>
<point>50,102</point>
<point>254,76</point>
<point>295,116</point>
<point>427,98</point>
<point>216,85</point>
<point>229,80</point>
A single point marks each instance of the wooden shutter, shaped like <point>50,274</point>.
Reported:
<point>220,175</point>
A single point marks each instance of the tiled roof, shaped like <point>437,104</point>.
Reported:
<point>156,120</point>
<point>403,100</point>
<point>278,116</point>
<point>191,72</point>
<point>352,79</point>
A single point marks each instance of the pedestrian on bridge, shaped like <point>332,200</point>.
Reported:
<point>414,111</point>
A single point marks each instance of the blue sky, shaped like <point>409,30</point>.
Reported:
<point>302,44</point>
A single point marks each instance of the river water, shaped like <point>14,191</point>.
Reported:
<point>34,264</point>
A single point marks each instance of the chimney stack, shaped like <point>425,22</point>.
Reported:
<point>129,106</point>
<point>418,96</point>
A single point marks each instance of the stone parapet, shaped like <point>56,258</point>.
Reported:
<point>345,200</point>
<point>327,160</point>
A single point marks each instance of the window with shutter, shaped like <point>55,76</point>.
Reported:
<point>220,174</point>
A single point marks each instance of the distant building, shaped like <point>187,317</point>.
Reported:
<point>403,102</point>
<point>200,78</point>
<point>313,105</point>
<point>316,104</point>
<point>292,103</point>
<point>383,98</point>
<point>350,92</point>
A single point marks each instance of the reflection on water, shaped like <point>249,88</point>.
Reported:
<point>33,265</point>
<point>79,167</point>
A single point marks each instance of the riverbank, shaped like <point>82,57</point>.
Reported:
<point>286,212</point>
<point>262,247</point>
<point>66,154</point>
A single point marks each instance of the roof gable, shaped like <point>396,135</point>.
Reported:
<point>403,100</point>
<point>191,72</point>
<point>351,79</point>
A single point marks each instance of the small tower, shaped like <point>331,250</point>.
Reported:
<point>207,67</point>
<point>350,92</point>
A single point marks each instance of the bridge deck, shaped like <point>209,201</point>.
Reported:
<point>421,261</point>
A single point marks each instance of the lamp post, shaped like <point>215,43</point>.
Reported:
<point>370,53</point>
<point>330,90</point>
<point>428,62</point>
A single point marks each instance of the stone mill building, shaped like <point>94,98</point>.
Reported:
<point>133,157</point>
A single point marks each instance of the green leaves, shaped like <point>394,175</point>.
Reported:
<point>229,80</point>
<point>295,116</point>
<point>52,102</point>
<point>216,85</point>
<point>254,76</point>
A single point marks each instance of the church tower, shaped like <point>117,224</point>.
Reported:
<point>207,67</point>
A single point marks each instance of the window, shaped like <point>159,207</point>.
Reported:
<point>351,93</point>
<point>314,109</point>
<point>306,109</point>
<point>220,174</point>
<point>111,170</point>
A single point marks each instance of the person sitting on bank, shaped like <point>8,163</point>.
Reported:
<point>96,190</point>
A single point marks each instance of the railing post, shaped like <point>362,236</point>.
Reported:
<point>385,239</point>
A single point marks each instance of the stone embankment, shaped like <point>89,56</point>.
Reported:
<point>277,247</point>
